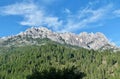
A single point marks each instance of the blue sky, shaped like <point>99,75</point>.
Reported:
<point>61,16</point>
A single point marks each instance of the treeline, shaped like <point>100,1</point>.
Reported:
<point>55,61</point>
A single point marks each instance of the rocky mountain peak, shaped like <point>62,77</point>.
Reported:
<point>35,32</point>
<point>86,40</point>
<point>95,41</point>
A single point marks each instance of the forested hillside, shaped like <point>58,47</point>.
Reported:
<point>55,61</point>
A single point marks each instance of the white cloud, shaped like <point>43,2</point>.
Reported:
<point>117,12</point>
<point>32,14</point>
<point>85,17</point>
<point>19,9</point>
<point>66,10</point>
<point>35,16</point>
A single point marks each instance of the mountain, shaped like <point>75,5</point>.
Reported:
<point>33,36</point>
<point>39,53</point>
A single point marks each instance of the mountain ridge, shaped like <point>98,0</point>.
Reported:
<point>86,40</point>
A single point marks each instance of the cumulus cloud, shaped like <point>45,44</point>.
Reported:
<point>32,14</point>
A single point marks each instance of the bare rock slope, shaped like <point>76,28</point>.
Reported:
<point>84,39</point>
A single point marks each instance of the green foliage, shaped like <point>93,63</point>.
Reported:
<point>52,73</point>
<point>56,61</point>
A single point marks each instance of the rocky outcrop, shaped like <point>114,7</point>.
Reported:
<point>84,39</point>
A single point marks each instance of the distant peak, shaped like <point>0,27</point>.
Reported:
<point>84,39</point>
<point>38,28</point>
<point>99,33</point>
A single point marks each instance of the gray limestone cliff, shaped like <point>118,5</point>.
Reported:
<point>84,39</point>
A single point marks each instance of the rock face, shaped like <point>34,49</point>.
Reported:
<point>85,40</point>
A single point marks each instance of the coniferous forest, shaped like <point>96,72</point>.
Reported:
<point>57,61</point>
